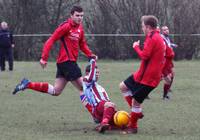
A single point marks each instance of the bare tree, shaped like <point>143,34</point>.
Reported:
<point>32,17</point>
<point>103,17</point>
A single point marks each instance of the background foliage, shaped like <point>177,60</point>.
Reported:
<point>103,17</point>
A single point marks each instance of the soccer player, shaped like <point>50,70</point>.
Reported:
<point>96,100</point>
<point>168,70</point>
<point>138,86</point>
<point>71,37</point>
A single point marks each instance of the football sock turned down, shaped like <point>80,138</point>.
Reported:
<point>166,89</point>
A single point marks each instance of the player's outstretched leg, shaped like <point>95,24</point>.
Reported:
<point>21,86</point>
<point>42,87</point>
<point>135,115</point>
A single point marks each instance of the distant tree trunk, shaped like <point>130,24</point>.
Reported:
<point>103,17</point>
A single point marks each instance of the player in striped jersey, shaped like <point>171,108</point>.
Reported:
<point>96,100</point>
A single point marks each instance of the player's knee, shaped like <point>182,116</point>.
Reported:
<point>122,87</point>
<point>167,80</point>
<point>57,93</point>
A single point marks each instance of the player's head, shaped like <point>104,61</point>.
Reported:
<point>87,71</point>
<point>149,23</point>
<point>4,25</point>
<point>165,30</point>
<point>158,28</point>
<point>77,14</point>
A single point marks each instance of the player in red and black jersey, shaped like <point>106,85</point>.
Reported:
<point>168,70</point>
<point>71,37</point>
<point>137,87</point>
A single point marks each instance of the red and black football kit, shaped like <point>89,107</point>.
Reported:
<point>169,56</point>
<point>71,36</point>
<point>148,76</point>
<point>168,73</point>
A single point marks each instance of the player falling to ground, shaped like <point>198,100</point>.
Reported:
<point>96,100</point>
<point>168,70</point>
<point>138,86</point>
<point>71,37</point>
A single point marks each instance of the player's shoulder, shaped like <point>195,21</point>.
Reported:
<point>156,37</point>
<point>155,34</point>
<point>100,87</point>
<point>65,23</point>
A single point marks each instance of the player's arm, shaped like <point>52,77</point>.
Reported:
<point>84,47</point>
<point>89,109</point>
<point>169,52</point>
<point>91,77</point>
<point>58,33</point>
<point>146,52</point>
<point>88,106</point>
<point>85,103</point>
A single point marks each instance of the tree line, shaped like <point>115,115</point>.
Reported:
<point>103,17</point>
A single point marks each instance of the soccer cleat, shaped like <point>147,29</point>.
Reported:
<point>130,130</point>
<point>166,97</point>
<point>102,128</point>
<point>23,85</point>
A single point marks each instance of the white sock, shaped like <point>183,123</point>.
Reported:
<point>136,109</point>
<point>51,89</point>
<point>128,93</point>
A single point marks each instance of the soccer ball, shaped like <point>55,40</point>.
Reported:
<point>121,118</point>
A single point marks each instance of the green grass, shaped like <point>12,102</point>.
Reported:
<point>34,116</point>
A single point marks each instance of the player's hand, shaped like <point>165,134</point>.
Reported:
<point>93,56</point>
<point>43,63</point>
<point>136,43</point>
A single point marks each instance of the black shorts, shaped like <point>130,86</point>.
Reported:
<point>139,91</point>
<point>68,70</point>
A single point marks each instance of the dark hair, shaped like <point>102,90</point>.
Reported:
<point>150,20</point>
<point>87,69</point>
<point>76,9</point>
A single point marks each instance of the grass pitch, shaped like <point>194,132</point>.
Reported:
<point>34,116</point>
